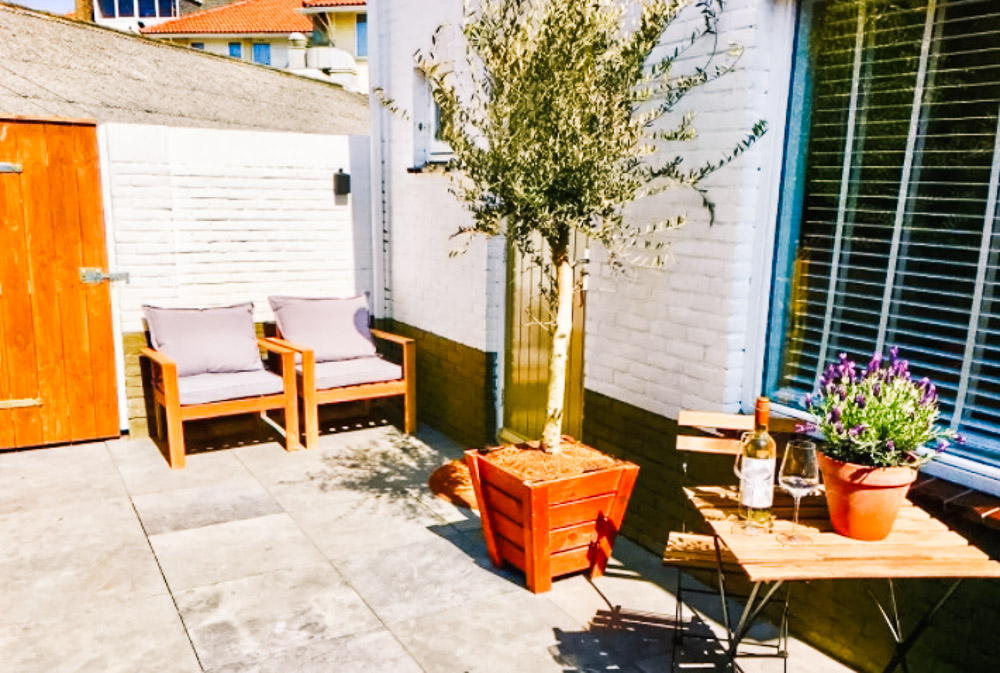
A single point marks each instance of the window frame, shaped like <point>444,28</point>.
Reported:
<point>949,466</point>
<point>239,50</point>
<point>263,46</point>
<point>360,20</point>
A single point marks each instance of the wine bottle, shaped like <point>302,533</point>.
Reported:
<point>757,471</point>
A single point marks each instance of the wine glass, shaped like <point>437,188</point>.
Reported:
<point>799,476</point>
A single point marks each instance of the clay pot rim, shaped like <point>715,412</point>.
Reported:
<point>867,476</point>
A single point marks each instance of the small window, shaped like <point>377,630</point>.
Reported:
<point>147,8</point>
<point>362,31</point>
<point>236,49</point>
<point>126,8</point>
<point>107,8</point>
<point>262,54</point>
<point>197,45</point>
<point>168,8</point>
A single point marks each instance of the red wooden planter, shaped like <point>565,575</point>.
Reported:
<point>551,528</point>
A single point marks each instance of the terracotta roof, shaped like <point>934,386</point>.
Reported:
<point>245,16</point>
<point>333,3</point>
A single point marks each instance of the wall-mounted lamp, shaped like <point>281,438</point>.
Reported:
<point>341,183</point>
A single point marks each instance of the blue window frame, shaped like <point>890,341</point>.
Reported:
<point>362,33</point>
<point>889,230</point>
<point>262,54</point>
<point>236,49</point>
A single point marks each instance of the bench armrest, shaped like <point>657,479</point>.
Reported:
<point>388,336</point>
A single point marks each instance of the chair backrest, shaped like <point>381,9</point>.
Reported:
<point>723,430</point>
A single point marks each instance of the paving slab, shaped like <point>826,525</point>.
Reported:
<point>265,616</point>
<point>144,469</point>
<point>367,524</point>
<point>227,551</point>
<point>105,636</point>
<point>371,652</point>
<point>509,632</point>
<point>62,475</point>
<point>424,577</point>
<point>184,508</point>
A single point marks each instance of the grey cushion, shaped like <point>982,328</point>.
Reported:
<point>202,388</point>
<point>336,329</point>
<point>206,340</point>
<point>340,373</point>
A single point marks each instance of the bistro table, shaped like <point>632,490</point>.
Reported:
<point>919,546</point>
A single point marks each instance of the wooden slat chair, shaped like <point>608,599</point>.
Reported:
<point>720,436</point>
<point>338,360</point>
<point>205,363</point>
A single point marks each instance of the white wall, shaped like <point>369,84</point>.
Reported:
<point>688,336</point>
<point>206,217</point>
<point>459,298</point>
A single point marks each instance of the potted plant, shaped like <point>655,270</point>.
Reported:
<point>554,117</point>
<point>880,426</point>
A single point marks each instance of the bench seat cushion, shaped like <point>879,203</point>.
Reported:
<point>335,329</point>
<point>341,373</point>
<point>204,388</point>
<point>213,340</point>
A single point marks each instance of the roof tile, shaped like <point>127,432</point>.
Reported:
<point>244,16</point>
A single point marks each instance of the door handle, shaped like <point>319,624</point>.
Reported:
<point>93,275</point>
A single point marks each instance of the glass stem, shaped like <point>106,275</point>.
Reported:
<point>795,520</point>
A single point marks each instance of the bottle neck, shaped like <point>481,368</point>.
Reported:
<point>762,411</point>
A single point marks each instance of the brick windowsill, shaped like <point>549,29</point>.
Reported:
<point>957,501</point>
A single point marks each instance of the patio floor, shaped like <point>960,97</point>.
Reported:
<point>336,559</point>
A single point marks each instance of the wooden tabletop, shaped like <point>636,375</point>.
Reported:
<point>919,545</point>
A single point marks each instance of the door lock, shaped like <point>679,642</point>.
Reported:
<point>93,275</point>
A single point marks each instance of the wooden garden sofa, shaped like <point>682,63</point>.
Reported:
<point>338,359</point>
<point>206,363</point>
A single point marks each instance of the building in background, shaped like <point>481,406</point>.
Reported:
<point>324,39</point>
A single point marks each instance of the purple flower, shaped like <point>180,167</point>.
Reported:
<point>805,427</point>
<point>834,415</point>
<point>960,439</point>
<point>808,401</point>
<point>890,445</point>
<point>930,394</point>
<point>860,401</point>
<point>842,392</point>
<point>877,388</point>
<point>941,446</point>
<point>893,355</point>
<point>857,430</point>
<point>874,364</point>
<point>838,427</point>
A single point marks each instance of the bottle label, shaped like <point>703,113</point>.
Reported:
<point>757,482</point>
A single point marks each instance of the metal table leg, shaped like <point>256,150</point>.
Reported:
<point>891,618</point>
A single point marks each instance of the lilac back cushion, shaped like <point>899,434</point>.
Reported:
<point>206,340</point>
<point>336,329</point>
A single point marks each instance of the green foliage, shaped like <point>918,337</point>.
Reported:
<point>880,417</point>
<point>556,114</point>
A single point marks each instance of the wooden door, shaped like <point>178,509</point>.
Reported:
<point>528,346</point>
<point>57,364</point>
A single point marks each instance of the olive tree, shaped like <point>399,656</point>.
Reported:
<point>558,114</point>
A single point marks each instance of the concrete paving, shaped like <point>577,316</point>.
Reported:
<point>336,559</point>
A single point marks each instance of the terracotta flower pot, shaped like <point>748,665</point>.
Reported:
<point>864,501</point>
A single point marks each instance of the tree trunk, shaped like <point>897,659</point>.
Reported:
<point>558,361</point>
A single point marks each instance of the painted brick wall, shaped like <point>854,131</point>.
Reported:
<point>459,297</point>
<point>210,217</point>
<point>681,337</point>
<point>202,217</point>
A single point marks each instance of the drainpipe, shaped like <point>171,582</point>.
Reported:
<point>380,162</point>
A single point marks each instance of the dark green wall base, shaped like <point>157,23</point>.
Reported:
<point>837,617</point>
<point>455,386</point>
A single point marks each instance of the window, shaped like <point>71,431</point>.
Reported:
<point>889,232</point>
<point>110,9</point>
<point>167,8</point>
<point>429,144</point>
<point>126,8</point>
<point>147,8</point>
<point>362,33</point>
<point>262,54</point>
<point>236,49</point>
<point>197,45</point>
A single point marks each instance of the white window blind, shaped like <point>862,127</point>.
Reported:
<point>890,230</point>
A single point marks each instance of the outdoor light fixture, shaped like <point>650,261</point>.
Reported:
<point>341,183</point>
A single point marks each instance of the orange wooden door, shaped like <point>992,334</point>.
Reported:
<point>57,364</point>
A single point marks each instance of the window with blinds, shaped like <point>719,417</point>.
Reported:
<point>889,232</point>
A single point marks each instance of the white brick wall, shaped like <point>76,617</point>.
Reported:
<point>459,298</point>
<point>682,337</point>
<point>206,217</point>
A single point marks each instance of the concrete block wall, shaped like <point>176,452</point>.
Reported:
<point>202,217</point>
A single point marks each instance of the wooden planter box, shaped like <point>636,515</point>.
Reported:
<point>551,528</point>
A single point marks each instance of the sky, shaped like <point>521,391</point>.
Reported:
<point>54,6</point>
